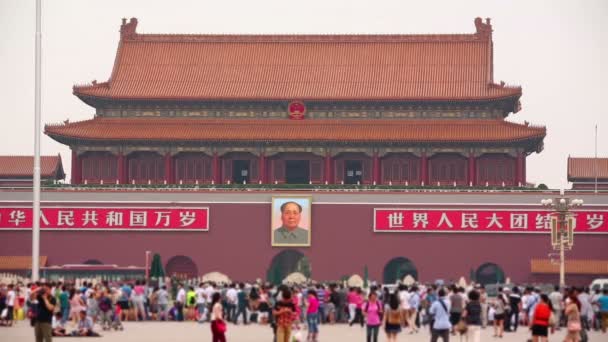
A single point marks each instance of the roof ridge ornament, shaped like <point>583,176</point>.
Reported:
<point>483,29</point>
<point>128,30</point>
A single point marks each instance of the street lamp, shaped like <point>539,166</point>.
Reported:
<point>562,226</point>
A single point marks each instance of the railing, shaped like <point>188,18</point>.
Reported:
<point>295,187</point>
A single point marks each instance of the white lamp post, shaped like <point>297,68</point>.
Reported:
<point>563,225</point>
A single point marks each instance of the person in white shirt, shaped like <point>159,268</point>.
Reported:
<point>404,300</point>
<point>180,301</point>
<point>200,302</point>
<point>231,301</point>
<point>557,300</point>
<point>10,304</point>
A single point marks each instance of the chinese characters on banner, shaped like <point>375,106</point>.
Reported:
<point>146,219</point>
<point>482,221</point>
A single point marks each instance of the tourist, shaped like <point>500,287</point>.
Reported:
<point>597,319</point>
<point>180,300</point>
<point>483,302</point>
<point>58,325</point>
<point>139,297</point>
<point>104,304</point>
<point>123,301</point>
<point>46,303</point>
<point>573,314</point>
<point>472,316</point>
<point>312,316</point>
<point>557,299</point>
<point>163,303</point>
<point>218,325</point>
<point>540,320</point>
<point>602,303</point>
<point>190,304</point>
<point>359,299</point>
<point>85,325</point>
<point>76,305</point>
<point>515,305</point>
<point>372,311</point>
<point>414,301</point>
<point>153,303</point>
<point>10,301</point>
<point>499,313</point>
<point>351,299</point>
<point>201,303</point>
<point>254,303</point>
<point>332,304</point>
<point>64,304</point>
<point>441,318</point>
<point>404,300</point>
<point>232,300</point>
<point>322,296</point>
<point>393,317</point>
<point>92,308</point>
<point>586,311</point>
<point>456,306</point>
<point>342,304</point>
<point>283,312</point>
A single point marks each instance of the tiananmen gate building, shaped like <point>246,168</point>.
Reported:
<point>185,113</point>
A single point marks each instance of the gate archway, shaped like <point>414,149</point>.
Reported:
<point>181,267</point>
<point>285,263</point>
<point>397,268</point>
<point>489,273</point>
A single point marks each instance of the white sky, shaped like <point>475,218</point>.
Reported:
<point>556,50</point>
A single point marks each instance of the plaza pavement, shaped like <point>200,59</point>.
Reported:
<point>194,332</point>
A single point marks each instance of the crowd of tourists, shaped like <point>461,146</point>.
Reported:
<point>297,312</point>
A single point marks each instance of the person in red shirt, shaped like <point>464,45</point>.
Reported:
<point>540,322</point>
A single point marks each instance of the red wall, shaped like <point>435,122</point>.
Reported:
<point>343,242</point>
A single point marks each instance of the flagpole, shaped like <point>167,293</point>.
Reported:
<point>36,185</point>
<point>595,161</point>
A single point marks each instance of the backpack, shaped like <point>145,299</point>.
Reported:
<point>191,301</point>
<point>394,317</point>
<point>105,304</point>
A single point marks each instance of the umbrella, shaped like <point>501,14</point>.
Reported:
<point>156,270</point>
<point>216,277</point>
<point>295,278</point>
<point>355,281</point>
<point>409,280</point>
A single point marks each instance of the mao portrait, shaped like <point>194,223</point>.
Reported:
<point>291,221</point>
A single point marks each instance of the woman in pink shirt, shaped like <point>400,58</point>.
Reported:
<point>312,315</point>
<point>372,310</point>
<point>139,299</point>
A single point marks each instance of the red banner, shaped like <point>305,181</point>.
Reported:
<point>481,221</point>
<point>83,219</point>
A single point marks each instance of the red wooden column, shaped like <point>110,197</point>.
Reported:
<point>217,177</point>
<point>262,168</point>
<point>471,166</point>
<point>376,169</point>
<point>328,175</point>
<point>169,168</point>
<point>521,169</point>
<point>76,168</point>
<point>424,169</point>
<point>122,170</point>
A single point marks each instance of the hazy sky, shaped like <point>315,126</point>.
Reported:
<point>556,50</point>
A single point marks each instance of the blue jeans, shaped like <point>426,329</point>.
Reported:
<point>372,333</point>
<point>313,322</point>
<point>65,314</point>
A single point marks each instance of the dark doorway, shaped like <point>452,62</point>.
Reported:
<point>297,171</point>
<point>353,171</point>
<point>240,171</point>
<point>285,263</point>
<point>397,268</point>
<point>489,273</point>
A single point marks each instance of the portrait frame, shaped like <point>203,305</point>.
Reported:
<point>305,221</point>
